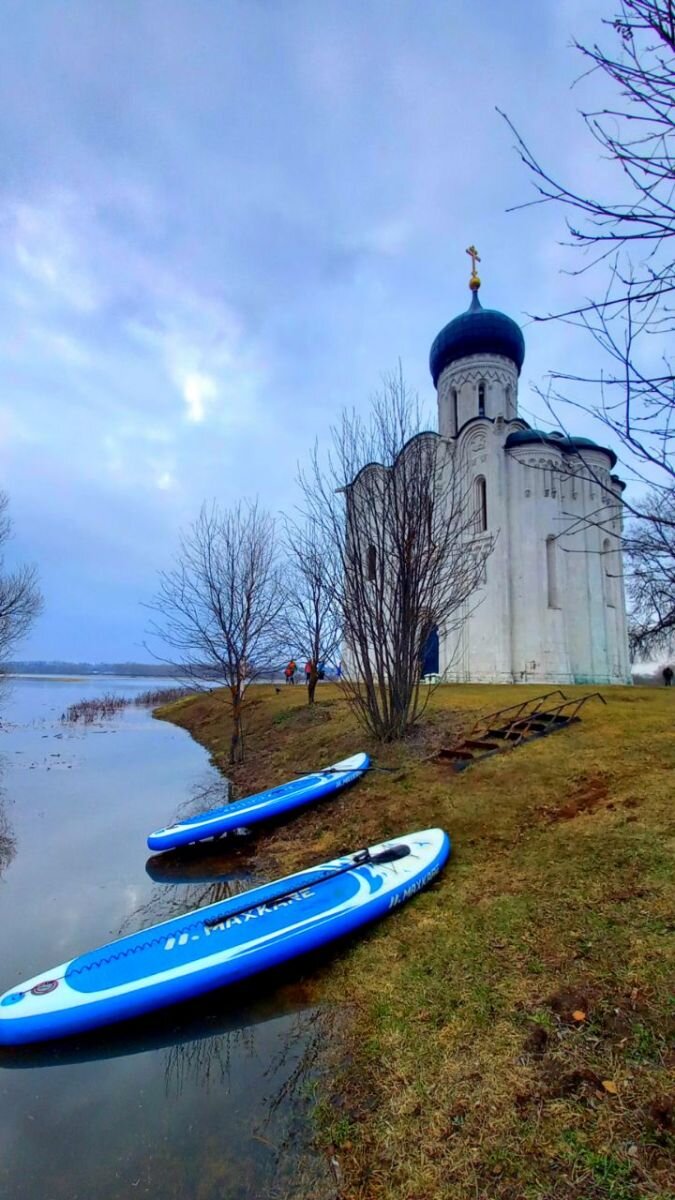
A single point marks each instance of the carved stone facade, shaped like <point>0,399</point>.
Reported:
<point>460,397</point>
<point>551,606</point>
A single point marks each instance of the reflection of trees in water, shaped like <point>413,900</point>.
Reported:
<point>212,791</point>
<point>207,1062</point>
<point>173,900</point>
<point>211,1060</point>
<point>296,1166</point>
<point>280,1125</point>
<point>7,839</point>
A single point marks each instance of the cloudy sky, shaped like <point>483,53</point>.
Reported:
<point>220,222</point>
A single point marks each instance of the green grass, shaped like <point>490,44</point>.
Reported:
<point>459,1069</point>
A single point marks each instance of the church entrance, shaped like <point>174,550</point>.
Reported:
<point>430,653</point>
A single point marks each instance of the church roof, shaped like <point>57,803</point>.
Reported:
<point>561,441</point>
<point>477,331</point>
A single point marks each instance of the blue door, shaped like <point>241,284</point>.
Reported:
<point>430,653</point>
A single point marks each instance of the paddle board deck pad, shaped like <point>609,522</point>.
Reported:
<point>265,806</point>
<point>222,942</point>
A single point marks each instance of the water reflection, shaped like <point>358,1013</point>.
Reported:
<point>205,1100</point>
<point>174,900</point>
<point>211,791</point>
<point>7,838</point>
<point>203,1051</point>
<point>200,1037</point>
<point>165,868</point>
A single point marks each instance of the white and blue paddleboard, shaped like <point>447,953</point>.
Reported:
<point>221,943</point>
<point>265,806</point>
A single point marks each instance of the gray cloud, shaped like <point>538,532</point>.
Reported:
<point>221,222</point>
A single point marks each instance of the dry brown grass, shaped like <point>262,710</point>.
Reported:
<point>463,1070</point>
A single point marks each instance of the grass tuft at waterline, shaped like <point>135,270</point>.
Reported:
<point>506,1034</point>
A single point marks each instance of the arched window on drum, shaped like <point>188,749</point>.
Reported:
<point>480,504</point>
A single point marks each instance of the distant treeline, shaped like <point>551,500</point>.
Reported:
<point>151,670</point>
<point>56,667</point>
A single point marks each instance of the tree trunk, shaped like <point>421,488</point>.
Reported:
<point>311,685</point>
<point>236,736</point>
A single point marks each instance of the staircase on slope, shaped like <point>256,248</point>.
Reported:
<point>514,725</point>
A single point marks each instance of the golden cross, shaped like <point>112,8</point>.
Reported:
<point>475,257</point>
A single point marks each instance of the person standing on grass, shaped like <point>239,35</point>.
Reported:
<point>308,672</point>
<point>667,673</point>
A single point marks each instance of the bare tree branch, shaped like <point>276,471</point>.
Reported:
<point>404,551</point>
<point>628,236</point>
<point>311,617</point>
<point>218,607</point>
<point>20,598</point>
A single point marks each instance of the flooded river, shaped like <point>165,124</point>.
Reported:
<point>204,1102</point>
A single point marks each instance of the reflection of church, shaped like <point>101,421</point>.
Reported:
<point>551,607</point>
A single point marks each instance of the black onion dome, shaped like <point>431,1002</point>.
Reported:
<point>477,331</point>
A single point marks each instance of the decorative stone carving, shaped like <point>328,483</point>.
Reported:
<point>476,441</point>
<point>488,373</point>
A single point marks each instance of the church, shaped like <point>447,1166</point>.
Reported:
<point>551,605</point>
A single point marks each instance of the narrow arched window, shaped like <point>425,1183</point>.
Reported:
<point>508,396</point>
<point>481,505</point>
<point>607,577</point>
<point>372,564</point>
<point>453,396</point>
<point>481,399</point>
<point>552,572</point>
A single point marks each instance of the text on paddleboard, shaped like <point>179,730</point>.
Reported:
<point>249,914</point>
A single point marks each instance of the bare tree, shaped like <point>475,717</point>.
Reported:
<point>626,244</point>
<point>311,618</point>
<point>218,607</point>
<point>20,597</point>
<point>404,551</point>
<point>651,550</point>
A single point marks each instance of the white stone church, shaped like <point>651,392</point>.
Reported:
<point>551,608</point>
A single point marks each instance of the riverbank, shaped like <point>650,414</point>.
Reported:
<point>207,1102</point>
<point>507,1030</point>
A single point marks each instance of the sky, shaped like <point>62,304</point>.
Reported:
<point>221,221</point>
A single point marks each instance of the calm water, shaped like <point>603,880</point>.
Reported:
<point>199,1103</point>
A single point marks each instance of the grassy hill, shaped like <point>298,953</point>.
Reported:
<point>505,1034</point>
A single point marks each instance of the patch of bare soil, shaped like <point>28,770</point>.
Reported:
<point>568,1002</point>
<point>590,793</point>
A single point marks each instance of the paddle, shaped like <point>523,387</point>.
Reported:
<point>346,770</point>
<point>391,854</point>
<point>362,857</point>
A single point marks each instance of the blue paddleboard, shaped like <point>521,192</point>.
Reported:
<point>266,806</point>
<point>221,943</point>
